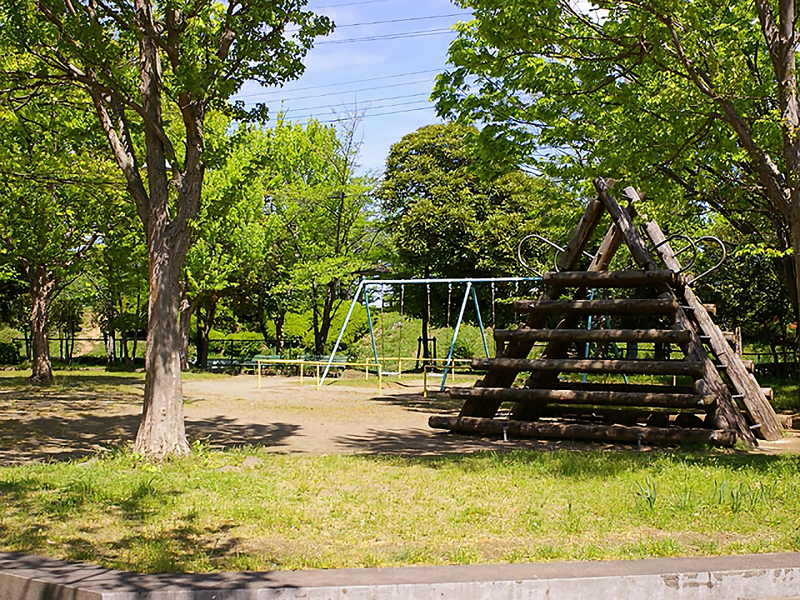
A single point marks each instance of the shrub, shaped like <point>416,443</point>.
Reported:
<point>10,353</point>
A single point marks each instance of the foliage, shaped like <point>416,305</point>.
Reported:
<point>323,217</point>
<point>449,214</point>
<point>696,102</point>
<point>10,353</point>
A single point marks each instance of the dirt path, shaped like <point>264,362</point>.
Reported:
<point>283,416</point>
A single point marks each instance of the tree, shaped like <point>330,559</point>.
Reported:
<point>700,97</point>
<point>228,232</point>
<point>153,70</point>
<point>119,276</point>
<point>322,208</point>
<point>57,197</point>
<point>450,215</point>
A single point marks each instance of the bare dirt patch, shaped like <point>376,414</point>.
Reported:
<point>40,424</point>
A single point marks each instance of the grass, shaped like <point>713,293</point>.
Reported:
<point>250,510</point>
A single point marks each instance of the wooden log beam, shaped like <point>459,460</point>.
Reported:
<point>624,222</point>
<point>757,407</point>
<point>689,368</point>
<point>664,336</point>
<point>626,416</point>
<point>623,306</point>
<point>599,398</point>
<point>626,387</point>
<point>613,279</point>
<point>576,431</point>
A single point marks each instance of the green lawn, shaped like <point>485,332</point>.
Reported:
<point>246,509</point>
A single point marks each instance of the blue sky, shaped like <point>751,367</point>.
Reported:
<point>386,81</point>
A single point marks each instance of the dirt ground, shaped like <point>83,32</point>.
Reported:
<point>283,416</point>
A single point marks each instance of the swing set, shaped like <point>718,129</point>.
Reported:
<point>362,294</point>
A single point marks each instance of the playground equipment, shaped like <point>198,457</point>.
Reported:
<point>711,397</point>
<point>362,294</point>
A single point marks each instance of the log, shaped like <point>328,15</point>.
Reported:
<point>613,279</point>
<point>599,398</point>
<point>624,222</point>
<point>618,433</point>
<point>757,407</point>
<point>599,307</point>
<point>624,416</point>
<point>626,387</point>
<point>665,336</point>
<point>691,368</point>
<point>580,237</point>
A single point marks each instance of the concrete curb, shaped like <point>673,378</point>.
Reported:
<point>748,577</point>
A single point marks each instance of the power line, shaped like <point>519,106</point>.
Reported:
<point>324,106</point>
<point>349,4</point>
<point>367,116</point>
<point>364,115</point>
<point>406,105</point>
<point>390,36</point>
<point>377,87</point>
<point>329,85</point>
<point>462,14</point>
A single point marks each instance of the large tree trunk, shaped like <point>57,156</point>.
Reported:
<point>42,285</point>
<point>161,432</point>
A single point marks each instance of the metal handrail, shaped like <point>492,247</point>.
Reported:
<point>721,244</point>
<point>558,248</point>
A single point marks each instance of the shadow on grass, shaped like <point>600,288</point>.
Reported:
<point>582,460</point>
<point>71,379</point>
<point>73,435</point>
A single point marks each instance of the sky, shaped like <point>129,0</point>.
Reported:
<point>386,78</point>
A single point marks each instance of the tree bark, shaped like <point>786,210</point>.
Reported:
<point>42,284</point>
<point>279,320</point>
<point>161,432</point>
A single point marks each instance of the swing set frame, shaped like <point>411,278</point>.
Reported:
<point>362,294</point>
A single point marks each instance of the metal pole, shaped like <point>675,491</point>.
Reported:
<point>480,322</point>
<point>371,329</point>
<point>455,334</point>
<point>341,332</point>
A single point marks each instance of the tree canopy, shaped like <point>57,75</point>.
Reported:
<point>696,103</point>
<point>153,70</point>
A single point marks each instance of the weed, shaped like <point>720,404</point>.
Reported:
<point>648,492</point>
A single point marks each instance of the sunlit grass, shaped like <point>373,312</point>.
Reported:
<point>250,510</point>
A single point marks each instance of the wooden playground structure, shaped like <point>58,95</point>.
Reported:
<point>707,396</point>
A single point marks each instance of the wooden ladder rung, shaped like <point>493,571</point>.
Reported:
<point>609,279</point>
<point>663,306</point>
<point>594,335</point>
<point>600,398</point>
<point>587,365</point>
<point>596,386</point>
